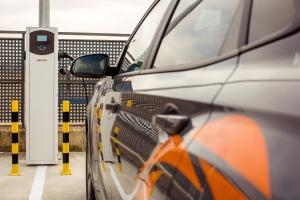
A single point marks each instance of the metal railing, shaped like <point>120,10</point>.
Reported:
<point>12,68</point>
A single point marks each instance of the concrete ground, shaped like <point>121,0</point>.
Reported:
<point>55,186</point>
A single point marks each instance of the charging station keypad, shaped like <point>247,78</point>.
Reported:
<point>41,42</point>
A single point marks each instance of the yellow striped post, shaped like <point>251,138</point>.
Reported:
<point>65,145</point>
<point>117,150</point>
<point>15,138</point>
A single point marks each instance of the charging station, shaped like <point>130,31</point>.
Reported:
<point>41,95</point>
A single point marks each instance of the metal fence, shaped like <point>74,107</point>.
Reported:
<point>12,67</point>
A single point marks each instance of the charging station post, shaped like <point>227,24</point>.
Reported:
<point>41,95</point>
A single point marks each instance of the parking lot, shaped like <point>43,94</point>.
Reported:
<point>42,181</point>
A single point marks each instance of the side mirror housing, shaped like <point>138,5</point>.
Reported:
<point>90,66</point>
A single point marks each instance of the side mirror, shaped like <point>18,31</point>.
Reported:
<point>90,66</point>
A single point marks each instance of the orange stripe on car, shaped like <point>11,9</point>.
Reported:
<point>153,178</point>
<point>173,154</point>
<point>220,187</point>
<point>161,149</point>
<point>180,159</point>
<point>239,141</point>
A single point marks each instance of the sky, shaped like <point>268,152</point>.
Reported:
<point>100,16</point>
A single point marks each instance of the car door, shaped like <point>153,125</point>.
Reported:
<point>182,87</point>
<point>211,32</point>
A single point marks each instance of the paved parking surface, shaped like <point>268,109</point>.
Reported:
<point>55,186</point>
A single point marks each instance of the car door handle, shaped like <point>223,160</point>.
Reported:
<point>113,107</point>
<point>171,124</point>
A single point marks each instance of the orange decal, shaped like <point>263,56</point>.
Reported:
<point>174,154</point>
<point>239,141</point>
<point>153,178</point>
<point>183,164</point>
<point>220,187</point>
<point>161,149</point>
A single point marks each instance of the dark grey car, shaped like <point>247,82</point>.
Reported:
<point>202,104</point>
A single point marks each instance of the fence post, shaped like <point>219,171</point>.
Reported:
<point>15,138</point>
<point>65,145</point>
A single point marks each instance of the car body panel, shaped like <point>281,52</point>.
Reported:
<point>139,103</point>
<point>205,81</point>
<point>241,141</point>
<point>278,61</point>
<point>268,99</point>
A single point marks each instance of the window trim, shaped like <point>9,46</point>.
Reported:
<point>155,37</point>
<point>180,17</point>
<point>186,67</point>
<point>242,41</point>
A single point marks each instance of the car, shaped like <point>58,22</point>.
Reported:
<point>203,103</point>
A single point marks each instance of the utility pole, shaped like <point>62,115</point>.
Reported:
<point>44,13</point>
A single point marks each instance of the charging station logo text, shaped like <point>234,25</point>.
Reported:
<point>41,60</point>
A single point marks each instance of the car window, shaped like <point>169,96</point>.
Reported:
<point>269,17</point>
<point>198,36</point>
<point>139,45</point>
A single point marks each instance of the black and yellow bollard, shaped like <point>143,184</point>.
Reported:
<point>65,145</point>
<point>15,139</point>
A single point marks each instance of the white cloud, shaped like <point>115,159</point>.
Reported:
<point>115,16</point>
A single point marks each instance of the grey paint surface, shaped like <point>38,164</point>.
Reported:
<point>273,97</point>
<point>266,80</point>
<point>277,61</point>
<point>265,88</point>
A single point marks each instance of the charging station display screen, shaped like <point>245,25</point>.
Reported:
<point>42,42</point>
<point>42,38</point>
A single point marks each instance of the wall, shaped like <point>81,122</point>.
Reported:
<point>77,138</point>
